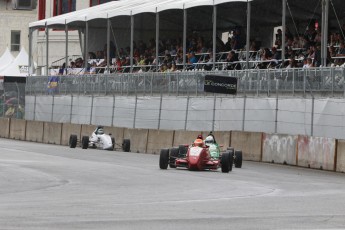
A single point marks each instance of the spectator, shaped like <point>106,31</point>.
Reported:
<point>232,58</point>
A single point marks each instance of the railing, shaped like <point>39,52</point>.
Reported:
<point>306,82</point>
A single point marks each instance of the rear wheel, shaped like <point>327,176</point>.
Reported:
<point>226,162</point>
<point>73,141</point>
<point>126,145</point>
<point>182,151</point>
<point>164,159</point>
<point>113,143</point>
<point>85,142</point>
<point>173,155</point>
<point>238,159</point>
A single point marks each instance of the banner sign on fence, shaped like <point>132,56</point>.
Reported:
<point>220,84</point>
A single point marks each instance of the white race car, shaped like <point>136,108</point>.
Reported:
<point>99,140</point>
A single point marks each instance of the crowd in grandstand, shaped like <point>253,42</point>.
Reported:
<point>301,51</point>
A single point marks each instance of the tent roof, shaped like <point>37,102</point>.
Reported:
<point>6,59</point>
<point>125,8</point>
<point>14,69</point>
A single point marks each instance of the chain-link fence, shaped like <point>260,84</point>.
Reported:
<point>12,100</point>
<point>329,81</point>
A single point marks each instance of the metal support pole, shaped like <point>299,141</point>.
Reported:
<point>66,48</point>
<point>186,118</point>
<point>322,31</point>
<point>160,111</point>
<point>132,41</point>
<point>276,115</point>
<point>214,111</point>
<point>52,117</point>
<point>184,37</point>
<point>284,30</point>
<point>86,40</point>
<point>108,43</point>
<point>30,69</point>
<point>325,34</point>
<point>135,110</point>
<point>113,112</point>
<point>91,109</point>
<point>157,40</point>
<point>248,33</point>
<point>47,49</point>
<point>214,36</point>
<point>71,110</point>
<point>312,116</point>
<point>244,111</point>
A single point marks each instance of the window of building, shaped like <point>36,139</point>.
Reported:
<point>15,40</point>
<point>22,4</point>
<point>41,9</point>
<point>98,2</point>
<point>64,6</point>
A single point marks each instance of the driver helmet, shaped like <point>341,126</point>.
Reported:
<point>198,142</point>
<point>100,130</point>
<point>209,140</point>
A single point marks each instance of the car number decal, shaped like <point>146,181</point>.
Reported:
<point>194,151</point>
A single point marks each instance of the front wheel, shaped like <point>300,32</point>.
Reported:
<point>238,159</point>
<point>126,145</point>
<point>85,142</point>
<point>164,159</point>
<point>73,141</point>
<point>226,162</point>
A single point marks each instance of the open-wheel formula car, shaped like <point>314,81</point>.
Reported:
<point>99,140</point>
<point>201,156</point>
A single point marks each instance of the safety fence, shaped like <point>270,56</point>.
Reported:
<point>305,82</point>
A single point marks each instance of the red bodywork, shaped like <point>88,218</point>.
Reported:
<point>198,158</point>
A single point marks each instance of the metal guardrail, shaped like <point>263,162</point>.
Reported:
<point>325,81</point>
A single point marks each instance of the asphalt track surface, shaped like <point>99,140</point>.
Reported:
<point>55,187</point>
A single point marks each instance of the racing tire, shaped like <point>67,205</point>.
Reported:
<point>182,153</point>
<point>126,145</point>
<point>238,159</point>
<point>73,139</point>
<point>174,152</point>
<point>226,162</point>
<point>85,142</point>
<point>164,159</point>
<point>230,148</point>
<point>113,143</point>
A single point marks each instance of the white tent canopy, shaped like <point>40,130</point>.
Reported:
<point>126,8</point>
<point>6,59</point>
<point>18,67</point>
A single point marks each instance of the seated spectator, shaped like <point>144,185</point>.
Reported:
<point>292,63</point>
<point>232,58</point>
<point>308,63</point>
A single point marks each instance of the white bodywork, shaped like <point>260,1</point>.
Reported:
<point>102,141</point>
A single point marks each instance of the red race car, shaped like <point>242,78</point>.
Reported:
<point>195,157</point>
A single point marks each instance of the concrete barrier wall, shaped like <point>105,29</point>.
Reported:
<point>86,130</point>
<point>249,143</point>
<point>52,133</point>
<point>340,166</point>
<point>316,152</point>
<point>5,127</point>
<point>67,130</point>
<point>117,133</point>
<point>34,131</point>
<point>17,129</point>
<point>159,139</point>
<point>138,139</point>
<point>279,148</point>
<point>182,137</point>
